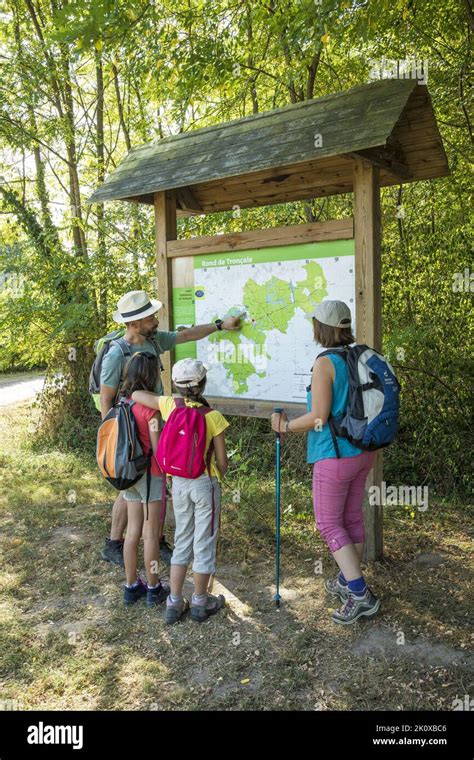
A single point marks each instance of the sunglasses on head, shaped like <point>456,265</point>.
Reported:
<point>147,354</point>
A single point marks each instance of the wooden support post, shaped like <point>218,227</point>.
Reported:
<point>367,233</point>
<point>165,229</point>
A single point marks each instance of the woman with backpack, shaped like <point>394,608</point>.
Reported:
<point>192,444</point>
<point>143,504</point>
<point>338,481</point>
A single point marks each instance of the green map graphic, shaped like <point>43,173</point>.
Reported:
<point>269,306</point>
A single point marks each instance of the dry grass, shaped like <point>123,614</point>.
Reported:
<point>68,643</point>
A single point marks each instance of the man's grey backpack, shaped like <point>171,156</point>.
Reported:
<point>101,348</point>
<point>370,421</point>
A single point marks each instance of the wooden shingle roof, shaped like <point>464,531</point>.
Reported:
<point>276,156</point>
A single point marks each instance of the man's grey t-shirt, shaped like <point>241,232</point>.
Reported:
<point>114,361</point>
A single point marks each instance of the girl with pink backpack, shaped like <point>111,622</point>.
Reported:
<point>192,449</point>
<point>144,499</point>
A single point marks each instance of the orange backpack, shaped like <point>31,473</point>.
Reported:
<point>120,456</point>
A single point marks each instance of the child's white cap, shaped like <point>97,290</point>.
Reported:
<point>188,372</point>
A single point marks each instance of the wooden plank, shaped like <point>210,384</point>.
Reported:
<point>295,182</point>
<point>430,172</point>
<point>307,174</point>
<point>422,168</point>
<point>412,120</point>
<point>336,229</point>
<point>306,194</point>
<point>414,149</point>
<point>182,270</point>
<point>165,230</point>
<point>276,194</point>
<point>390,160</point>
<point>367,231</point>
<point>277,174</point>
<point>187,201</point>
<point>253,407</point>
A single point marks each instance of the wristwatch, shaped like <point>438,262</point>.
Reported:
<point>287,426</point>
<point>218,323</point>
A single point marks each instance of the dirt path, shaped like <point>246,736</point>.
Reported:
<point>18,388</point>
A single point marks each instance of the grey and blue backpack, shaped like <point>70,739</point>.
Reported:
<point>370,421</point>
<point>101,348</point>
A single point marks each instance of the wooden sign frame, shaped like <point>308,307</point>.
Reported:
<point>180,268</point>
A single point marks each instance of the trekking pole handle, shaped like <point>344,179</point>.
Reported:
<point>278,410</point>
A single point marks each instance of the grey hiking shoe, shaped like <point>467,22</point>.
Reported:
<point>113,552</point>
<point>175,610</point>
<point>334,587</point>
<point>356,607</point>
<point>201,612</point>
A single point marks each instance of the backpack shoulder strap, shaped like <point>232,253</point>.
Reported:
<point>342,352</point>
<point>154,339</point>
<point>204,410</point>
<point>123,345</point>
<point>105,340</point>
<point>179,402</point>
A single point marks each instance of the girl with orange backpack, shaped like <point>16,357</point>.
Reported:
<point>144,499</point>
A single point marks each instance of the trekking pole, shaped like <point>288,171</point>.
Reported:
<point>277,597</point>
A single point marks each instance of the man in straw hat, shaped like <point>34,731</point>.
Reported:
<point>140,314</point>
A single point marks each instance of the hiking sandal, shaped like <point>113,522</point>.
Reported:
<point>175,610</point>
<point>201,612</point>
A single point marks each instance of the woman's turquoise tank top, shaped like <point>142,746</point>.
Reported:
<point>320,444</point>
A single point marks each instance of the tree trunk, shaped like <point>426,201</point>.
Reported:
<point>101,246</point>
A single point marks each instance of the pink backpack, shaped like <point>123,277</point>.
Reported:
<point>182,446</point>
<point>182,443</point>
